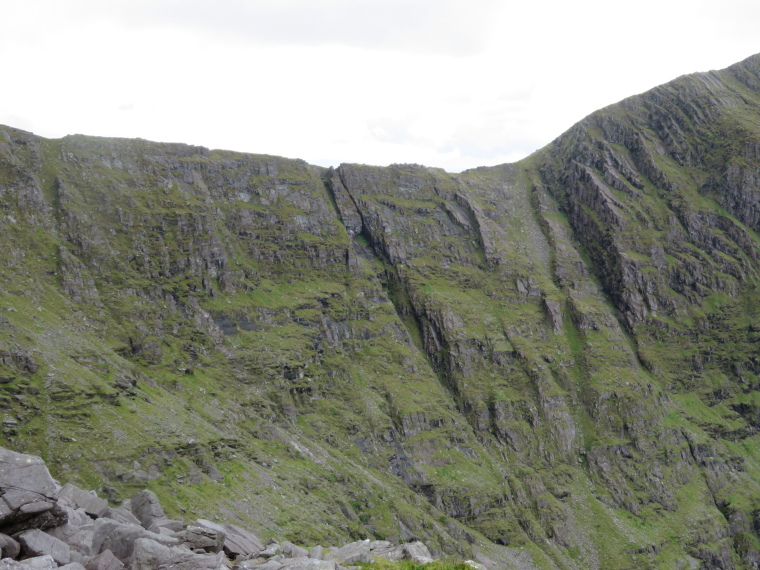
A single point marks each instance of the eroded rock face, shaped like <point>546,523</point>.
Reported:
<point>505,349</point>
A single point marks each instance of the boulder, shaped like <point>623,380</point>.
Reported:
<point>104,561</point>
<point>10,548</point>
<point>353,553</point>
<point>28,492</point>
<point>122,514</point>
<point>93,506</point>
<point>34,542</point>
<point>36,563</point>
<point>237,542</point>
<point>72,566</point>
<point>316,553</point>
<point>271,564</point>
<point>76,517</point>
<point>147,508</point>
<point>270,551</point>
<point>150,555</point>
<point>290,550</point>
<point>392,553</point>
<point>45,520</point>
<point>170,525</point>
<point>297,563</point>
<point>78,538</point>
<point>165,531</point>
<point>306,563</point>
<point>120,538</point>
<point>203,538</point>
<point>417,552</point>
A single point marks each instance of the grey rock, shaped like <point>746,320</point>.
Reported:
<point>414,551</point>
<point>270,550</point>
<point>292,551</point>
<point>10,548</point>
<point>353,553</point>
<point>165,531</point>
<point>77,556</point>
<point>93,505</point>
<point>48,519</point>
<point>150,555</point>
<point>418,552</point>
<point>198,537</point>
<point>147,508</point>
<point>268,565</point>
<point>306,563</point>
<point>72,566</point>
<point>104,561</point>
<point>238,541</point>
<point>122,514</point>
<point>76,517</point>
<point>170,524</point>
<point>34,542</point>
<point>392,553</point>
<point>78,538</point>
<point>28,492</point>
<point>554,309</point>
<point>36,563</point>
<point>120,538</point>
<point>316,553</point>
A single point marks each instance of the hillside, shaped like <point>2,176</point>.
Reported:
<point>547,364</point>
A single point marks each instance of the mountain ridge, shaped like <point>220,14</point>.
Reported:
<point>544,364</point>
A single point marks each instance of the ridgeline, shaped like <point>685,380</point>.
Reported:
<point>546,364</point>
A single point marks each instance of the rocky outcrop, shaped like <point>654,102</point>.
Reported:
<point>97,542</point>
<point>29,494</point>
<point>501,363</point>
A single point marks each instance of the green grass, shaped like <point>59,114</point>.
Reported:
<point>387,565</point>
<point>431,395</point>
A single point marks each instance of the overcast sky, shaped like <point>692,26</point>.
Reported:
<point>447,83</point>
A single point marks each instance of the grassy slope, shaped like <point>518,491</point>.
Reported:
<point>201,323</point>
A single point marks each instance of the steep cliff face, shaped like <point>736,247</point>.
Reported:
<point>546,364</point>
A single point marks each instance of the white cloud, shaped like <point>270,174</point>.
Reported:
<point>447,83</point>
<point>450,27</point>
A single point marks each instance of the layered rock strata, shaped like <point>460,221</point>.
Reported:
<point>545,364</point>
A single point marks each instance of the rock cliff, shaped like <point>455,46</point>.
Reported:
<point>547,364</point>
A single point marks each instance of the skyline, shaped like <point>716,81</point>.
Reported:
<point>445,84</point>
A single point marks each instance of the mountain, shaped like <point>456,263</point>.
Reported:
<point>546,364</point>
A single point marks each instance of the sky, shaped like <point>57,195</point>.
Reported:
<point>453,84</point>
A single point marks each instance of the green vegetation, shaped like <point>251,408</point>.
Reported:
<point>413,566</point>
<point>553,363</point>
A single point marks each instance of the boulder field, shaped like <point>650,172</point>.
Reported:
<point>44,526</point>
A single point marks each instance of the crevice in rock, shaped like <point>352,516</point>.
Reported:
<point>422,330</point>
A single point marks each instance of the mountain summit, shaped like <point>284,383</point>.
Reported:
<point>546,364</point>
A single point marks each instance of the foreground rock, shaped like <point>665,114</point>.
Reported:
<point>46,527</point>
<point>237,542</point>
<point>29,494</point>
